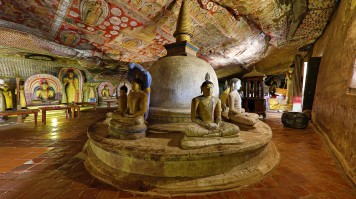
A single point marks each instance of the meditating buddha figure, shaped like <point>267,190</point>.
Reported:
<point>71,85</point>
<point>236,112</point>
<point>122,100</point>
<point>92,12</point>
<point>206,116</point>
<point>105,93</point>
<point>130,125</point>
<point>8,97</point>
<point>44,94</point>
<point>223,97</point>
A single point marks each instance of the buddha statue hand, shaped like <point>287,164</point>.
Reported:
<point>213,126</point>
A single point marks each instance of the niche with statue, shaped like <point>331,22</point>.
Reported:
<point>43,89</point>
<point>106,93</point>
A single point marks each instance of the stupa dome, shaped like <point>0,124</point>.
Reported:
<point>176,80</point>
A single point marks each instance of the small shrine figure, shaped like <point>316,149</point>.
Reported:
<point>236,112</point>
<point>224,96</point>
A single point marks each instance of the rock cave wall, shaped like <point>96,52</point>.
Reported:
<point>334,111</point>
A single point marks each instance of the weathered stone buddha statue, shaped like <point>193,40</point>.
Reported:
<point>130,125</point>
<point>8,97</point>
<point>122,100</point>
<point>44,94</point>
<point>207,123</point>
<point>223,97</point>
<point>236,113</point>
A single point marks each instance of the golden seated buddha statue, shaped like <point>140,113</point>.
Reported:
<point>131,123</point>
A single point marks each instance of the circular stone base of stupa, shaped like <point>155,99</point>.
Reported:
<point>156,164</point>
<point>161,115</point>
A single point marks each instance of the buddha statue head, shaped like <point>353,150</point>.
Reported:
<point>123,90</point>
<point>136,84</point>
<point>235,84</point>
<point>226,87</point>
<point>207,88</point>
<point>44,84</point>
<point>70,73</point>
<point>6,87</point>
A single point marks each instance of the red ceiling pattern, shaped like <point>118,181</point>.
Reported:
<point>228,32</point>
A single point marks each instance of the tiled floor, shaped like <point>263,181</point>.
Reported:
<point>38,162</point>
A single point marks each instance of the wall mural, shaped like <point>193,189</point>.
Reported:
<point>43,89</point>
<point>228,32</point>
<point>69,37</point>
<point>73,82</point>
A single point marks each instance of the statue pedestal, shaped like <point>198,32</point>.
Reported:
<point>156,164</point>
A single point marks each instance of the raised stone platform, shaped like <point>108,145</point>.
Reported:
<point>157,164</point>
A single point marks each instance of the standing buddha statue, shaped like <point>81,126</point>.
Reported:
<point>71,85</point>
<point>8,97</point>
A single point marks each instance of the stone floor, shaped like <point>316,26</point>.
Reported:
<point>38,162</point>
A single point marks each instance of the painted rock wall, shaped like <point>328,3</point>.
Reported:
<point>334,111</point>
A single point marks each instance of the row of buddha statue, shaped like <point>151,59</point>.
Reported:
<point>44,89</point>
<point>207,123</point>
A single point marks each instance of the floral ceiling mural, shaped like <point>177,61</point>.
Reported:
<point>232,34</point>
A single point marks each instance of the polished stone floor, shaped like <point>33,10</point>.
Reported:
<point>38,162</point>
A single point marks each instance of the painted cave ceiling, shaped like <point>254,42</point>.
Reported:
<point>233,35</point>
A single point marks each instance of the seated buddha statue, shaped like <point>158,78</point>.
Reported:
<point>207,123</point>
<point>223,97</point>
<point>44,94</point>
<point>206,115</point>
<point>236,113</point>
<point>122,100</point>
<point>105,93</point>
<point>131,124</point>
